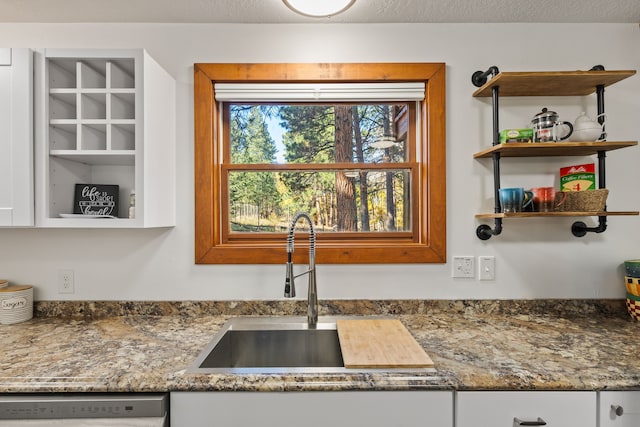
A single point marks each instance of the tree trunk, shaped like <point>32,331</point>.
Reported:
<point>364,187</point>
<point>345,191</point>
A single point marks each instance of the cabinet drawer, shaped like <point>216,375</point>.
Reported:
<point>501,409</point>
<point>619,408</point>
<point>313,409</point>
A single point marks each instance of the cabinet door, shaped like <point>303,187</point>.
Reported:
<point>16,137</point>
<point>313,409</point>
<point>619,408</point>
<point>510,409</point>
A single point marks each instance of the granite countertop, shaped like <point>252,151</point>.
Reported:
<point>475,345</point>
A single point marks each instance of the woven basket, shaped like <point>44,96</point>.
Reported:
<point>582,201</point>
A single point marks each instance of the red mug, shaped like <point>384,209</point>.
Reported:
<point>544,199</point>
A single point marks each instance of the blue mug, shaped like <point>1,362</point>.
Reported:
<point>514,199</point>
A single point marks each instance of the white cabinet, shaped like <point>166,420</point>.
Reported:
<point>16,138</point>
<point>312,409</point>
<point>619,409</point>
<point>104,117</point>
<point>509,409</point>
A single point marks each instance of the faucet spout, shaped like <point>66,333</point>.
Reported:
<point>289,284</point>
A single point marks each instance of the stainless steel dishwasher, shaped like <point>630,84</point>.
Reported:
<point>85,410</point>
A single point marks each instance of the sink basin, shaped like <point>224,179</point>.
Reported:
<point>275,348</point>
<point>271,344</point>
<point>264,345</point>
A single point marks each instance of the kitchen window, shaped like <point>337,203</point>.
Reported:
<point>361,147</point>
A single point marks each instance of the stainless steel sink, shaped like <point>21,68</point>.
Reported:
<point>254,345</point>
<point>271,344</point>
<point>275,348</point>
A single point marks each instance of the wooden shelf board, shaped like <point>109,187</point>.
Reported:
<point>551,83</point>
<point>554,214</point>
<point>550,149</point>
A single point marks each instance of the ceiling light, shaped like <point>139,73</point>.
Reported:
<point>319,8</point>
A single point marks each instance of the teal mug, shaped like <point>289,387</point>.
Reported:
<point>515,199</point>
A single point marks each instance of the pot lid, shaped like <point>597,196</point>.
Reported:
<point>545,113</point>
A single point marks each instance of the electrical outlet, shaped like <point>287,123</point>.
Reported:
<point>487,267</point>
<point>463,266</point>
<point>65,282</point>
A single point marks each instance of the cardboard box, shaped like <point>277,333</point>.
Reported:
<point>516,135</point>
<point>578,177</point>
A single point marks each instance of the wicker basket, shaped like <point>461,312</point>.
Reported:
<point>582,201</point>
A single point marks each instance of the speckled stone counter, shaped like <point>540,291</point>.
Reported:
<point>487,345</point>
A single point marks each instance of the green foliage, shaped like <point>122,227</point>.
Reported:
<point>251,143</point>
<point>309,137</point>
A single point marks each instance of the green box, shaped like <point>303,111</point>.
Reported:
<point>516,135</point>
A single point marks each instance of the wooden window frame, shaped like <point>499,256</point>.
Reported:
<point>427,243</point>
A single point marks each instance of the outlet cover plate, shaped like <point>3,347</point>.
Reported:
<point>65,282</point>
<point>463,266</point>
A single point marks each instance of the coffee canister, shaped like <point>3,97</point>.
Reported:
<point>16,304</point>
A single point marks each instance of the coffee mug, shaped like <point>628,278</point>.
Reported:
<point>547,199</point>
<point>514,199</point>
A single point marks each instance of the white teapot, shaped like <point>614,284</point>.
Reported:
<point>587,130</point>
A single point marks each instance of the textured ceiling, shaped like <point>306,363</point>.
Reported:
<point>274,11</point>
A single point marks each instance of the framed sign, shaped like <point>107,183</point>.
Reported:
<point>97,200</point>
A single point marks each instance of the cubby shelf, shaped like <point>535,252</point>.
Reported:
<point>104,117</point>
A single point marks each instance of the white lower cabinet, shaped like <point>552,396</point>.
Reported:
<point>313,409</point>
<point>619,408</point>
<point>526,408</point>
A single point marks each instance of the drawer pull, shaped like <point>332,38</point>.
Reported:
<point>617,409</point>
<point>538,422</point>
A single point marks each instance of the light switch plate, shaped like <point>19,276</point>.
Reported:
<point>487,267</point>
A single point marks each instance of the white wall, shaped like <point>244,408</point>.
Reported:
<point>537,258</point>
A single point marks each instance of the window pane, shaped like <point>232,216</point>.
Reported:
<point>314,133</point>
<point>339,201</point>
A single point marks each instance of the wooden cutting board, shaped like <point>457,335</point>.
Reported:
<point>379,343</point>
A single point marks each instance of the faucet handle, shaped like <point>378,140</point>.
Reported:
<point>289,284</point>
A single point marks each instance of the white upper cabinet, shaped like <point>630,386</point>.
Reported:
<point>16,138</point>
<point>103,118</point>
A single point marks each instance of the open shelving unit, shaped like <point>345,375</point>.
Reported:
<point>554,83</point>
<point>105,117</point>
